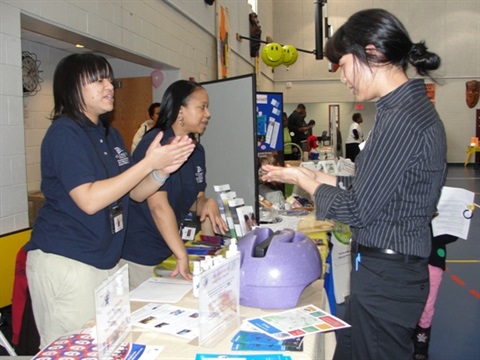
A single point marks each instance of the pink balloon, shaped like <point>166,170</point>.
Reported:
<point>157,78</point>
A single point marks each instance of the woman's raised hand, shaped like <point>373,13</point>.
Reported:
<point>171,156</point>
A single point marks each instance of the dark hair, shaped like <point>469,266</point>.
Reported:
<point>151,108</point>
<point>301,106</point>
<point>176,96</point>
<point>356,116</point>
<point>72,73</point>
<point>382,29</point>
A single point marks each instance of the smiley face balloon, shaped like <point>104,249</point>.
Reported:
<point>272,54</point>
<point>290,55</point>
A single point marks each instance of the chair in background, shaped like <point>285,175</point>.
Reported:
<point>325,139</point>
<point>296,146</point>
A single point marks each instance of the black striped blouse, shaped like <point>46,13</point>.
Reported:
<point>390,201</point>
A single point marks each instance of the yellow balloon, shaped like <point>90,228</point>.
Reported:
<point>272,54</point>
<point>290,55</point>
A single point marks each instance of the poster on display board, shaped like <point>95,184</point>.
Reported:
<point>270,133</point>
<point>269,121</point>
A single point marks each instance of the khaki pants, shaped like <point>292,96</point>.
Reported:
<point>62,292</point>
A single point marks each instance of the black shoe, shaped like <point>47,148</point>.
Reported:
<point>421,341</point>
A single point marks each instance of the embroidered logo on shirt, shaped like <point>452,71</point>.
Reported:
<point>122,156</point>
<point>199,175</point>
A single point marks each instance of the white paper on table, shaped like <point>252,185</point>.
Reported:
<point>453,213</point>
<point>167,318</point>
<point>161,289</point>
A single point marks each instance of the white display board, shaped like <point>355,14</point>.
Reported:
<point>229,141</point>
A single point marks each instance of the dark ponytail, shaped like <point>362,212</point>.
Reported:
<point>383,30</point>
<point>422,59</point>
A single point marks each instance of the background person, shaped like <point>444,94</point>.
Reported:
<point>153,111</point>
<point>392,198</point>
<point>87,179</point>
<point>290,152</point>
<point>339,143</point>
<point>310,126</point>
<point>297,124</point>
<point>436,267</point>
<point>153,225</point>
<point>354,138</point>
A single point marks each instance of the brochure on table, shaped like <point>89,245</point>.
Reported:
<point>219,300</point>
<point>168,319</point>
<point>305,320</point>
<point>276,356</point>
<point>84,346</point>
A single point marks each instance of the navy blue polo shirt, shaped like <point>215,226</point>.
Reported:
<point>72,155</point>
<point>143,243</point>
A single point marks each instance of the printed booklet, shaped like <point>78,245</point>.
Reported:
<point>297,322</point>
<point>250,340</point>
<point>84,346</point>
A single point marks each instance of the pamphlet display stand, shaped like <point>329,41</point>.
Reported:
<point>219,301</point>
<point>112,303</point>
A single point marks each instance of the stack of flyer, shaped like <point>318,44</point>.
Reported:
<point>252,340</point>
<point>239,217</point>
<point>273,356</point>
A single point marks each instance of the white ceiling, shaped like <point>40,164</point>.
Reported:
<point>52,42</point>
<point>36,30</point>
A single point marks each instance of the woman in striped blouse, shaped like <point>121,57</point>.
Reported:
<point>390,201</point>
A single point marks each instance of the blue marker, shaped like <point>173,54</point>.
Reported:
<point>357,260</point>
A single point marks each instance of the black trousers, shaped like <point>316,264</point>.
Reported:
<point>351,151</point>
<point>387,297</point>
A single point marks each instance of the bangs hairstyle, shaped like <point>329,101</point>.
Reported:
<point>371,27</point>
<point>176,96</point>
<point>72,73</point>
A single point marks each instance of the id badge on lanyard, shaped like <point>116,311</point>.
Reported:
<point>116,217</point>
<point>189,226</point>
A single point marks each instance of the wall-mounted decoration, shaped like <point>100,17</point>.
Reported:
<point>223,27</point>
<point>30,73</point>
<point>255,34</point>
<point>473,88</point>
<point>430,90</point>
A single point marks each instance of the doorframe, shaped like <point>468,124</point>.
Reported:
<point>334,124</point>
